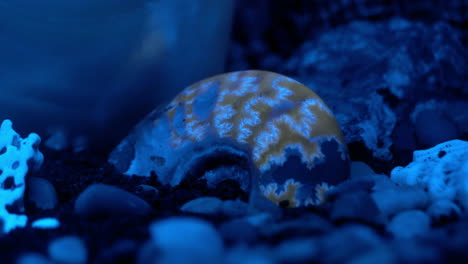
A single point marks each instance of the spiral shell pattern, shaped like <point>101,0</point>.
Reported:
<point>272,125</point>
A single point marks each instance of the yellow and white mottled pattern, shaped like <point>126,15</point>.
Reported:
<point>278,133</point>
<point>267,111</point>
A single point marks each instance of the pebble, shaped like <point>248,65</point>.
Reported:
<point>147,253</point>
<point>409,224</point>
<point>46,223</point>
<point>244,254</point>
<point>379,181</point>
<point>41,192</point>
<point>380,254</point>
<point>350,186</point>
<point>358,206</point>
<point>299,250</point>
<point>309,224</point>
<point>382,182</point>
<point>68,250</point>
<point>121,251</point>
<point>100,200</point>
<point>203,205</point>
<point>347,242</point>
<point>57,140</point>
<point>393,200</point>
<point>360,169</point>
<point>415,251</point>
<point>235,208</point>
<point>213,206</point>
<point>186,240</point>
<point>229,230</point>
<point>145,189</point>
<point>259,219</point>
<point>32,258</point>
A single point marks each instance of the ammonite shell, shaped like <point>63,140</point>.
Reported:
<point>261,128</point>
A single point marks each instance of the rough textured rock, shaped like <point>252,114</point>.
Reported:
<point>441,170</point>
<point>371,82</point>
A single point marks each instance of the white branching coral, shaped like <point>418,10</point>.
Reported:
<point>16,155</point>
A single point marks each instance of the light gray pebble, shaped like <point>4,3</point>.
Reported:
<point>380,254</point>
<point>46,223</point>
<point>350,186</point>
<point>32,258</point>
<point>309,224</point>
<point>416,251</point>
<point>244,254</point>
<point>68,250</point>
<point>382,182</point>
<point>259,219</point>
<point>107,200</point>
<point>357,206</point>
<point>41,192</point>
<point>360,169</point>
<point>117,251</point>
<point>213,205</point>
<point>186,240</point>
<point>147,253</point>
<point>238,230</point>
<point>203,205</point>
<point>409,224</point>
<point>347,242</point>
<point>299,250</point>
<point>393,200</point>
<point>146,190</point>
<point>235,208</point>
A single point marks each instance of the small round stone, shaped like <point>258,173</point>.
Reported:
<point>101,200</point>
<point>32,258</point>
<point>46,223</point>
<point>185,240</point>
<point>41,192</point>
<point>409,224</point>
<point>203,205</point>
<point>68,250</point>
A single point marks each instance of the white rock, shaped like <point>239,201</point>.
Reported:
<point>441,170</point>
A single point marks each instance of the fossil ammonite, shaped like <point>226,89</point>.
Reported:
<point>261,128</point>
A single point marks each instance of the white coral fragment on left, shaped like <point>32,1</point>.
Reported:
<point>16,156</point>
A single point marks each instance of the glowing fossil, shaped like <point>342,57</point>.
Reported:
<point>263,129</point>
